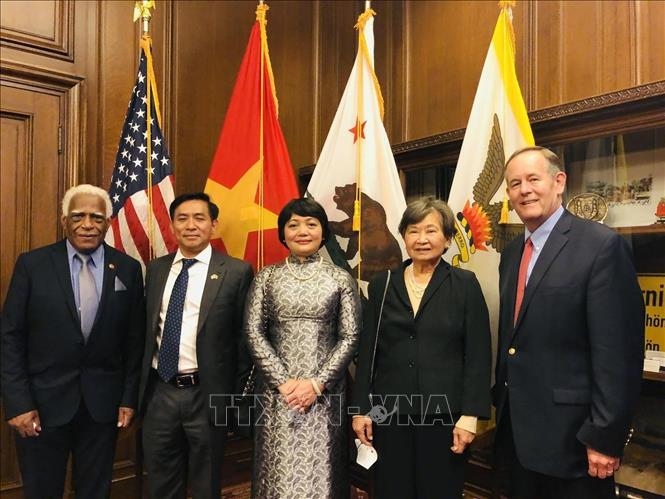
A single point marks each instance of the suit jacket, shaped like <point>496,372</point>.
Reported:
<point>443,350</point>
<point>574,375</point>
<point>46,365</point>
<point>219,326</point>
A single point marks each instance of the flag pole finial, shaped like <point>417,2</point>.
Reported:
<point>142,10</point>
<point>362,19</point>
<point>506,4</point>
<point>261,10</point>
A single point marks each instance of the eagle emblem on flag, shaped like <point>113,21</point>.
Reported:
<point>478,224</point>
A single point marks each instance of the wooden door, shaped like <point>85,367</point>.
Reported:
<point>30,187</point>
<point>40,136</point>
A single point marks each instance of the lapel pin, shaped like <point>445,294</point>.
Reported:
<point>214,276</point>
<point>111,266</point>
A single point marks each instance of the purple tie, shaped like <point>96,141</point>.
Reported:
<point>88,296</point>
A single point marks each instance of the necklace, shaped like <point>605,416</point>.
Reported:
<point>418,290</point>
<point>306,277</point>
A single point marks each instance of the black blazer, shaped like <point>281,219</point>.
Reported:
<point>443,350</point>
<point>45,363</point>
<point>574,376</point>
<point>219,326</point>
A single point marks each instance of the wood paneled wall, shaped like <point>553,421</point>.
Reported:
<point>428,59</point>
<point>75,62</point>
<point>566,51</point>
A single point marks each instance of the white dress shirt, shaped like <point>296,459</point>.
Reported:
<point>539,238</point>
<point>198,274</point>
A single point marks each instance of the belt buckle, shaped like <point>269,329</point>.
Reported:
<point>184,380</point>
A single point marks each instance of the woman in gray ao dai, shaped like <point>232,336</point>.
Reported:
<point>302,326</point>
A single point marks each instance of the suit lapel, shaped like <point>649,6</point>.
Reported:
<point>555,243</point>
<point>216,273</point>
<point>441,273</point>
<point>512,266</point>
<point>159,274</point>
<point>397,282</point>
<point>108,284</point>
<point>61,266</point>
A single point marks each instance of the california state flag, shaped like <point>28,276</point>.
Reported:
<point>497,127</point>
<point>356,178</point>
<point>251,177</point>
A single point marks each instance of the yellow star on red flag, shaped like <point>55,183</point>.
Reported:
<point>239,214</point>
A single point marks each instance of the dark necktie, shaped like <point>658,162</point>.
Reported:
<point>521,277</point>
<point>88,297</point>
<point>169,350</point>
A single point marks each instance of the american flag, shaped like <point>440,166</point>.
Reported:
<point>133,218</point>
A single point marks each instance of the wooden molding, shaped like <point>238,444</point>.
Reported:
<point>623,111</point>
<point>38,76</point>
<point>24,182</point>
<point>432,140</point>
<point>60,45</point>
<point>69,88</point>
<point>616,112</point>
<point>621,97</point>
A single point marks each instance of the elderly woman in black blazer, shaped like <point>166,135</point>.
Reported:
<point>423,374</point>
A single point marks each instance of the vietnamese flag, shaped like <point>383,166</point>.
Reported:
<point>251,177</point>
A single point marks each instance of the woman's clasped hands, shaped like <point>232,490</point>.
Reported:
<point>299,394</point>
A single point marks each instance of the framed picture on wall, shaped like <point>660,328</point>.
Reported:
<point>625,171</point>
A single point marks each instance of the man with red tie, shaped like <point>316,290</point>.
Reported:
<point>571,340</point>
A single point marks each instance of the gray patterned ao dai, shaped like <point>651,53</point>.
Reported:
<point>302,321</point>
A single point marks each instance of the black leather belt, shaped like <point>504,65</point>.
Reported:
<point>181,380</point>
<point>185,380</point>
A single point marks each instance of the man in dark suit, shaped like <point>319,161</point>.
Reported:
<point>72,332</point>
<point>195,300</point>
<point>571,341</point>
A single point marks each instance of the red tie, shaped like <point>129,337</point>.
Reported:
<point>521,277</point>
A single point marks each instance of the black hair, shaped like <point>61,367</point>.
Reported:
<point>304,207</point>
<point>194,196</point>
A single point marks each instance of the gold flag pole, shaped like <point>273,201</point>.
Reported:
<point>506,7</point>
<point>142,11</point>
<point>363,52</point>
<point>261,11</point>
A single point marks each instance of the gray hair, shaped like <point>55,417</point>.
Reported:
<point>86,189</point>
<point>417,210</point>
<point>554,164</point>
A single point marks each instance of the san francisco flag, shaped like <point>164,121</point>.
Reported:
<point>251,177</point>
<point>497,127</point>
<point>356,179</point>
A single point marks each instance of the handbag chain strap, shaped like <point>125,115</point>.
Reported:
<point>378,326</point>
